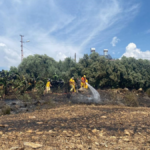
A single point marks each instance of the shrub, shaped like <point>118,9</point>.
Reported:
<point>148,92</point>
<point>130,99</point>
<point>6,110</point>
<point>25,97</point>
<point>114,96</point>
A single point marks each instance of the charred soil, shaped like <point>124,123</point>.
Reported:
<point>77,127</point>
<point>65,125</point>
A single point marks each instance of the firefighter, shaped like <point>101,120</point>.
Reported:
<point>83,82</point>
<point>78,83</point>
<point>48,85</point>
<point>72,85</point>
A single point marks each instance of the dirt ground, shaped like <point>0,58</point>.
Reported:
<point>77,127</point>
<point>62,124</point>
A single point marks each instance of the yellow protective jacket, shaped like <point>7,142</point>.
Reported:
<point>71,82</point>
<point>86,86</point>
<point>48,84</point>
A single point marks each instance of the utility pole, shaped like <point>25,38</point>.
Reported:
<point>75,57</point>
<point>21,47</point>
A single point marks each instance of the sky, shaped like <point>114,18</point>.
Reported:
<point>61,28</point>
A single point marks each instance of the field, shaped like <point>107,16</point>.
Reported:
<point>60,123</point>
<point>77,127</point>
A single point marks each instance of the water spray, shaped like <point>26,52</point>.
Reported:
<point>94,97</point>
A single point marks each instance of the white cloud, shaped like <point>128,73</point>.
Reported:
<point>9,57</point>
<point>133,51</point>
<point>114,41</point>
<point>2,44</point>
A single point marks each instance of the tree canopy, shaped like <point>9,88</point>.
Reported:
<point>101,72</point>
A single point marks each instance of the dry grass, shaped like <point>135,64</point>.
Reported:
<point>130,99</point>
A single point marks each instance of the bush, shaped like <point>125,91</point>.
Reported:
<point>25,97</point>
<point>114,96</point>
<point>148,92</point>
<point>6,110</point>
<point>130,99</point>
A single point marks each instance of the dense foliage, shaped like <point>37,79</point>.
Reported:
<point>101,73</point>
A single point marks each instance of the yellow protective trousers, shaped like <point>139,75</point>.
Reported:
<point>85,86</point>
<point>47,89</point>
<point>73,89</point>
<point>82,84</point>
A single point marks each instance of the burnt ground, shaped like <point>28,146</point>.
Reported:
<point>78,127</point>
<point>65,125</point>
<point>108,97</point>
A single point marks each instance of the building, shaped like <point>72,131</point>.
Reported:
<point>92,50</point>
<point>106,55</point>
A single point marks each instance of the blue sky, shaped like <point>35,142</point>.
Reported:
<point>61,28</point>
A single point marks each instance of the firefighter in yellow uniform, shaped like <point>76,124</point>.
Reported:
<point>72,85</point>
<point>83,82</point>
<point>48,84</point>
